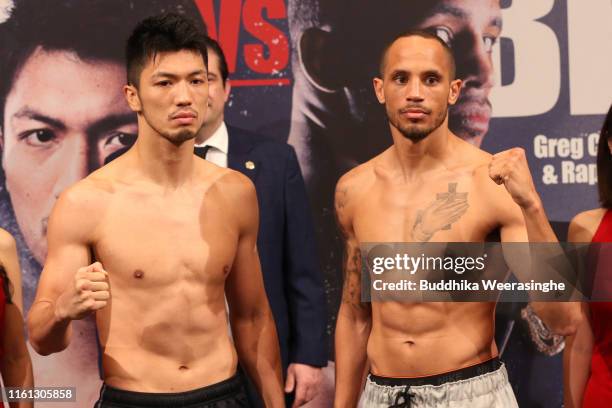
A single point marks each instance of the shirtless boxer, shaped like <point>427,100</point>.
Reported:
<point>393,198</point>
<point>171,234</point>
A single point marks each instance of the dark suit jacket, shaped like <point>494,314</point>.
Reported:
<point>286,245</point>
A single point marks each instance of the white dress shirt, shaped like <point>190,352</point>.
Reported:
<point>218,143</point>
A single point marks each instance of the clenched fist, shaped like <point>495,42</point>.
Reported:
<point>510,169</point>
<point>88,292</point>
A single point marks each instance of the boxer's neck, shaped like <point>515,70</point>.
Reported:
<point>414,158</point>
<point>162,161</point>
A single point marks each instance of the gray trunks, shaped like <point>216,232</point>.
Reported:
<point>483,385</point>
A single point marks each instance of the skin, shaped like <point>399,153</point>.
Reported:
<point>301,378</point>
<point>160,199</point>
<point>50,142</point>
<point>393,198</point>
<point>15,364</point>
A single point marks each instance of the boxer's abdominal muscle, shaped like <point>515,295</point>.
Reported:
<point>165,328</point>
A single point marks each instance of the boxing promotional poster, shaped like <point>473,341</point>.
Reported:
<point>534,76</point>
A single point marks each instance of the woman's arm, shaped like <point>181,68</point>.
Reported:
<point>577,361</point>
<point>15,366</point>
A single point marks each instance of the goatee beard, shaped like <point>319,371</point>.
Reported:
<point>415,135</point>
<point>177,138</point>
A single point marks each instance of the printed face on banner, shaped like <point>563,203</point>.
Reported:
<point>63,117</point>
<point>470,28</point>
<point>416,87</point>
<point>172,95</point>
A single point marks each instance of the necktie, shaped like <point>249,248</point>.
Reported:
<point>201,151</point>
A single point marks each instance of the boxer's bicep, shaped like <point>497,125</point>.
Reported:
<point>351,291</point>
<point>512,230</point>
<point>68,235</point>
<point>512,224</point>
<point>244,286</point>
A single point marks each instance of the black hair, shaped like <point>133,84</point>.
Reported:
<point>424,34</point>
<point>166,32</point>
<point>216,48</point>
<point>604,164</point>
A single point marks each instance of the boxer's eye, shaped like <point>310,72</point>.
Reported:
<point>399,78</point>
<point>432,80</point>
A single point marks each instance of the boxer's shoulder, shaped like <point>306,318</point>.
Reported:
<point>360,176</point>
<point>76,214</point>
<point>466,158</point>
<point>467,155</point>
<point>349,192</point>
<point>229,187</point>
<point>230,180</point>
<point>84,199</point>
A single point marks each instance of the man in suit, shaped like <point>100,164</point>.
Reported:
<point>285,243</point>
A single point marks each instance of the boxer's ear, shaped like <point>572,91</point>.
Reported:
<point>455,89</point>
<point>318,59</point>
<point>379,90</point>
<point>132,98</point>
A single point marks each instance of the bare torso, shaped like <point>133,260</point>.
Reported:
<point>167,254</point>
<point>415,339</point>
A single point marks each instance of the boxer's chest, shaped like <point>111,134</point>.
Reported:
<point>159,241</point>
<point>445,209</point>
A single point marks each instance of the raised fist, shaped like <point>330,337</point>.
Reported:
<point>88,292</point>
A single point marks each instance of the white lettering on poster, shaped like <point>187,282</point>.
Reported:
<point>573,148</point>
<point>537,81</point>
<point>590,57</point>
<point>564,147</point>
<point>537,61</point>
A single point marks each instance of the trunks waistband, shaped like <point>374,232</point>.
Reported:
<point>220,390</point>
<point>452,376</point>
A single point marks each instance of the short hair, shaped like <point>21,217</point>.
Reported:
<point>167,32</point>
<point>604,164</point>
<point>95,30</point>
<point>214,46</point>
<point>423,34</point>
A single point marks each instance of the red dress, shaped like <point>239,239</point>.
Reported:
<point>598,392</point>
